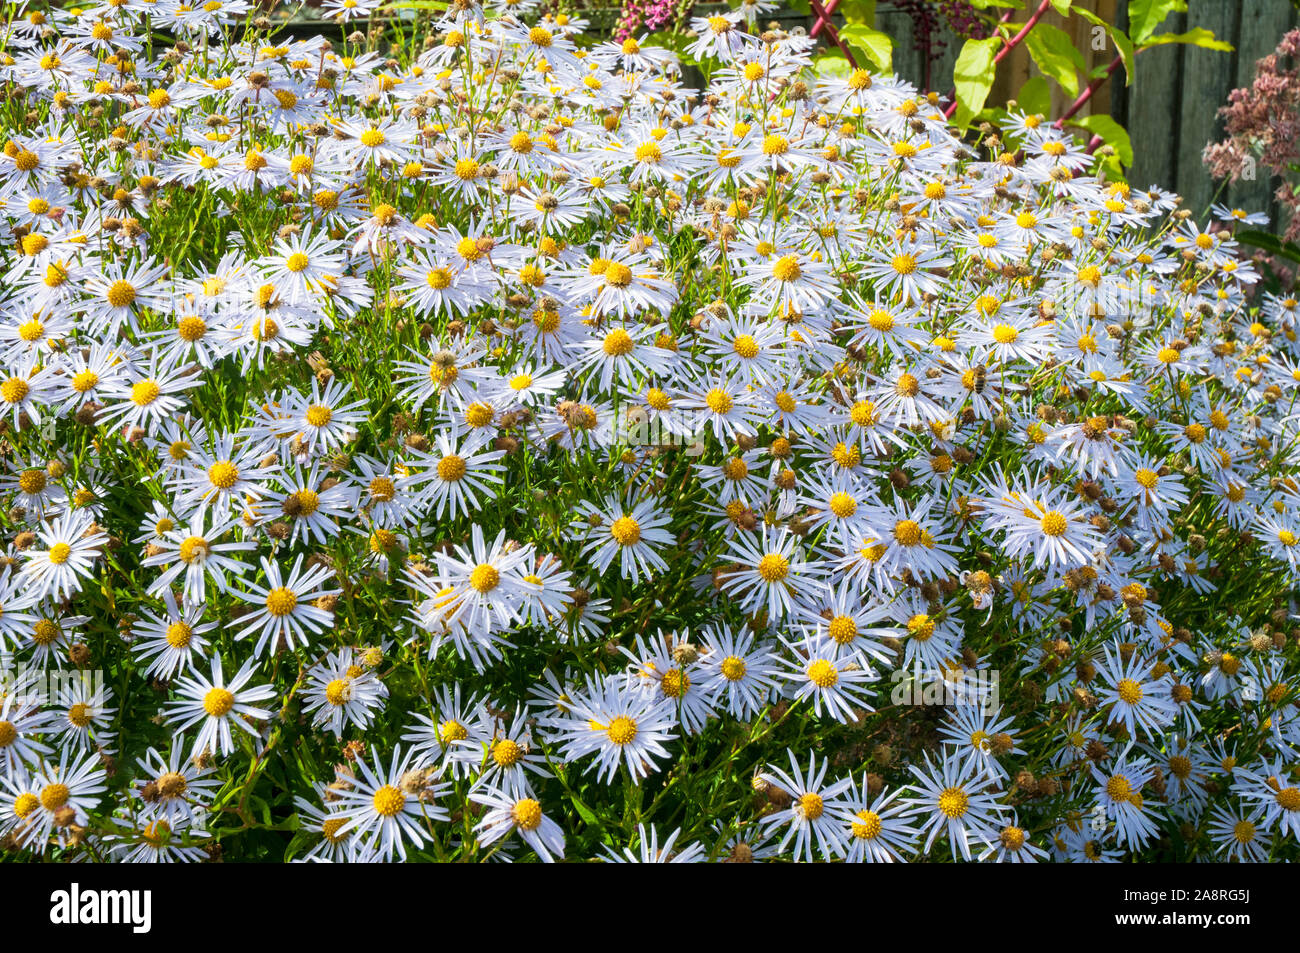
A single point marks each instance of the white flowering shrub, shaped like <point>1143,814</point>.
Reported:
<point>477,445</point>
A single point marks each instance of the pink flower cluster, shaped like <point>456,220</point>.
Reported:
<point>639,15</point>
<point>1263,126</point>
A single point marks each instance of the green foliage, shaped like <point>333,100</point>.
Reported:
<point>1053,52</point>
<point>1269,243</point>
<point>973,77</point>
<point>1145,15</point>
<point>1061,64</point>
<point>876,47</point>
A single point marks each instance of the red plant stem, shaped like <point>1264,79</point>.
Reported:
<point>1086,95</point>
<point>830,8</point>
<point>1007,47</point>
<point>824,17</point>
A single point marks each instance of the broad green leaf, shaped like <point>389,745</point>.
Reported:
<point>1198,37</point>
<point>877,47</point>
<point>832,64</point>
<point>973,76</point>
<point>1111,132</point>
<point>1112,169</point>
<point>1054,53</point>
<point>1269,243</point>
<point>1061,6</point>
<point>1145,15</point>
<point>1035,96</point>
<point>1123,45</point>
<point>857,11</point>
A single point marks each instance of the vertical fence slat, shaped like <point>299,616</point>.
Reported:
<point>907,61</point>
<point>1262,26</point>
<point>1208,75</point>
<point>1154,99</point>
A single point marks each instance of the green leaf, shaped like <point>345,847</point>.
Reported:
<point>1198,37</point>
<point>832,64</point>
<point>1145,15</point>
<point>1062,7</point>
<point>1053,51</point>
<point>1269,243</point>
<point>586,813</point>
<point>1111,132</point>
<point>1117,36</point>
<point>876,47</point>
<point>858,11</point>
<point>973,76</point>
<point>1035,97</point>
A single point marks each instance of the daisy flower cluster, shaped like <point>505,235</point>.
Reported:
<point>488,446</point>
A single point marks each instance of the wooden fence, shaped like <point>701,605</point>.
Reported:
<point>1170,109</point>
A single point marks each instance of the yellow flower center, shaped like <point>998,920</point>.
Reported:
<point>621,731</point>
<point>120,294</point>
<point>1053,523</point>
<point>389,801</point>
<point>733,668</point>
<point>193,549</point>
<point>787,268</point>
<point>626,531</point>
<point>719,401</point>
<point>14,390</point>
<point>1129,691</point>
<point>675,683</point>
<point>842,629</point>
<point>618,342</point>
<point>953,802</point>
<point>179,635</point>
<point>451,468</point>
<point>485,578</point>
<point>823,674</point>
<point>218,702</point>
<point>54,796</point>
<point>338,692</point>
<point>618,275</point>
<point>811,806</point>
<point>223,474</point>
<point>81,714</point>
<point>773,567</point>
<point>867,825</point>
<point>281,601</point>
<point>527,814</point>
<point>32,481</point>
<point>903,264</point>
<point>506,753</point>
<point>907,532</point>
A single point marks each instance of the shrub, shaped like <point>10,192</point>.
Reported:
<point>508,452</point>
